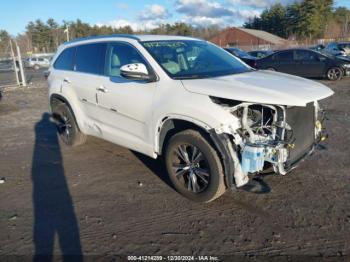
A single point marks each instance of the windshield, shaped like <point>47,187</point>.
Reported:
<point>186,59</point>
<point>239,52</point>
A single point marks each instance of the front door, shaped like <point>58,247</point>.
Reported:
<point>308,64</point>
<point>126,104</point>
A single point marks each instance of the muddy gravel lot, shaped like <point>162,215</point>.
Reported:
<point>102,199</point>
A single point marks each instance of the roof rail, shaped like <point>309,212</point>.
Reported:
<point>101,37</point>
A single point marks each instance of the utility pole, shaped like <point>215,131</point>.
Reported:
<point>23,77</point>
<point>14,62</point>
<point>346,25</point>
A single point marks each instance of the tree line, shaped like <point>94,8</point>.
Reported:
<point>312,19</point>
<point>305,19</point>
<point>46,36</point>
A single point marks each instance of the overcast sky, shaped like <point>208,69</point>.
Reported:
<point>139,14</point>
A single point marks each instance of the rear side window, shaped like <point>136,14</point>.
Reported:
<point>65,60</point>
<point>90,58</point>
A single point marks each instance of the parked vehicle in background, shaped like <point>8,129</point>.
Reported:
<point>338,49</point>
<point>306,63</point>
<point>318,48</point>
<point>214,119</point>
<point>6,65</point>
<point>37,62</point>
<point>260,53</point>
<point>244,56</point>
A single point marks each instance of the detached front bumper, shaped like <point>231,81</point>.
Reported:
<point>241,160</point>
<point>232,164</point>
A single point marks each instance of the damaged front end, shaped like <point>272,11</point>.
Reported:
<point>265,138</point>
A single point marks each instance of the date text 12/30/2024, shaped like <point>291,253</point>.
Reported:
<point>172,258</point>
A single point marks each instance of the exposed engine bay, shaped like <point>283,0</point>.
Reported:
<point>270,138</point>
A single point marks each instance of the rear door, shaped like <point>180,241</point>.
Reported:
<point>308,64</point>
<point>284,62</point>
<point>64,69</point>
<point>87,77</point>
<point>89,65</point>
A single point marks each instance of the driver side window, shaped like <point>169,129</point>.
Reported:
<point>118,55</point>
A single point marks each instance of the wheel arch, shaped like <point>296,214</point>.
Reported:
<point>170,125</point>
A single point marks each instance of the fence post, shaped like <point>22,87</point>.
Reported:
<point>23,77</point>
<point>14,62</point>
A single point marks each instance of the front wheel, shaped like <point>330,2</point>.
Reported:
<point>194,167</point>
<point>334,74</point>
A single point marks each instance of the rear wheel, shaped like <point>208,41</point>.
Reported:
<point>67,127</point>
<point>36,67</point>
<point>194,167</point>
<point>334,74</point>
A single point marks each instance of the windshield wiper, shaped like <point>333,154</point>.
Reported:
<point>192,77</point>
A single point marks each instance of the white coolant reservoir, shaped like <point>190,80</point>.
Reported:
<point>253,158</point>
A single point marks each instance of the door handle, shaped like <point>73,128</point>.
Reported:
<point>66,80</point>
<point>102,89</point>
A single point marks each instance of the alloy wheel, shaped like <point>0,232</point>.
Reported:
<point>64,127</point>
<point>334,74</point>
<point>191,167</point>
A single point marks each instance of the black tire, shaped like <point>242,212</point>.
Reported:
<point>67,127</point>
<point>334,74</point>
<point>209,166</point>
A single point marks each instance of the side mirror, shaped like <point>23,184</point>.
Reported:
<point>137,71</point>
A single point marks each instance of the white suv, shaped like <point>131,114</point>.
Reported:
<point>37,62</point>
<point>214,119</point>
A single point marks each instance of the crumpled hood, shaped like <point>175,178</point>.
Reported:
<point>265,87</point>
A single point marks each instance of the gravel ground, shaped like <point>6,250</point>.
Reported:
<point>102,199</point>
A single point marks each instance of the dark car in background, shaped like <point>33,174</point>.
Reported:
<point>306,63</point>
<point>244,56</point>
<point>260,53</point>
<point>338,49</point>
<point>318,48</point>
